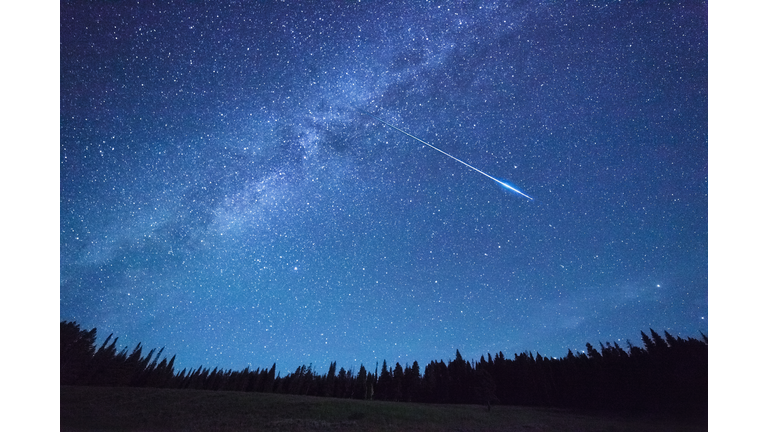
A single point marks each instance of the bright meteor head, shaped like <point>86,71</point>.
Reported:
<point>512,188</point>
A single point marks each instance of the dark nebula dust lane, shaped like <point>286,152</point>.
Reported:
<point>223,197</point>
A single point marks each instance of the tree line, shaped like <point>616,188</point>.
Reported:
<point>667,374</point>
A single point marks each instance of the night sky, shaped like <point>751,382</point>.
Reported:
<point>224,195</point>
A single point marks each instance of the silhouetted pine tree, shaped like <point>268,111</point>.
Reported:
<point>411,380</point>
<point>647,342</point>
<point>309,386</point>
<point>269,380</point>
<point>435,382</point>
<point>458,386</point>
<point>101,366</point>
<point>658,341</point>
<point>328,381</point>
<point>252,380</point>
<point>383,383</point>
<point>295,381</point>
<point>344,384</point>
<point>360,383</point>
<point>669,375</point>
<point>370,386</point>
<point>76,350</point>
<point>396,388</point>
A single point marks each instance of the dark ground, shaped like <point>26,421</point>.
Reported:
<point>142,409</point>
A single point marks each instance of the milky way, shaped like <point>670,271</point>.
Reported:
<point>222,197</point>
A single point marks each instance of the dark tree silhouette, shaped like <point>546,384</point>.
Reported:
<point>396,389</point>
<point>668,375</point>
<point>411,381</point>
<point>359,391</point>
<point>384,382</point>
<point>328,383</point>
<point>76,351</point>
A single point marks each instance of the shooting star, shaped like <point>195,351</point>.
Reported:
<point>507,186</point>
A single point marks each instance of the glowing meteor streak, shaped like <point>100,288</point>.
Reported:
<point>450,156</point>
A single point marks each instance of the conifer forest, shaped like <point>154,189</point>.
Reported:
<point>666,375</point>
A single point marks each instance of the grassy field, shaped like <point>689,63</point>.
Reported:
<point>138,409</point>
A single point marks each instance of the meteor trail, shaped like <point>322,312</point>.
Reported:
<point>450,156</point>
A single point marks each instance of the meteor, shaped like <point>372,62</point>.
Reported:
<point>508,186</point>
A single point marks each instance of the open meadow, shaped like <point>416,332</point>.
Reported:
<point>149,409</point>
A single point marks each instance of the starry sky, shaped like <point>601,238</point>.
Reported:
<point>224,195</point>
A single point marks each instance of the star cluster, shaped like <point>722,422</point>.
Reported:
<point>223,195</point>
